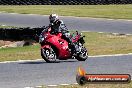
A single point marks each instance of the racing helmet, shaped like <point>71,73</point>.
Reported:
<point>53,18</point>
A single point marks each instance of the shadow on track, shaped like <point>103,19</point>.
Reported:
<point>43,62</point>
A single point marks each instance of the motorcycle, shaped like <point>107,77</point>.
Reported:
<point>53,47</point>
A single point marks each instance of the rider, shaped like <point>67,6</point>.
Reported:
<point>58,26</point>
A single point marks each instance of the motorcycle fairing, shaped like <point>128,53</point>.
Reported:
<point>60,44</point>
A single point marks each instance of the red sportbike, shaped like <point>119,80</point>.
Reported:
<point>53,47</point>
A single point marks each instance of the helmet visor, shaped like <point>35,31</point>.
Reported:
<point>52,19</point>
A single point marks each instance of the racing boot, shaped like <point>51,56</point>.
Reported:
<point>73,49</point>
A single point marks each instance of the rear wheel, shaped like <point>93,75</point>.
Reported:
<point>48,54</point>
<point>83,55</point>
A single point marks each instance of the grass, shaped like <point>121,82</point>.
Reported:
<point>96,43</point>
<point>100,44</point>
<point>98,11</point>
<point>20,53</point>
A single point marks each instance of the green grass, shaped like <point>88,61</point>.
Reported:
<point>96,43</point>
<point>100,44</point>
<point>20,53</point>
<point>98,11</point>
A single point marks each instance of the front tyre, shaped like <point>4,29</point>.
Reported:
<point>48,54</point>
<point>83,55</point>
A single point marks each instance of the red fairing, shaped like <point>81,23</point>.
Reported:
<point>61,45</point>
<point>59,34</point>
<point>58,42</point>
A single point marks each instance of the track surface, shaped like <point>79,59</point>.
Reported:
<point>33,73</point>
<point>22,74</point>
<point>85,24</point>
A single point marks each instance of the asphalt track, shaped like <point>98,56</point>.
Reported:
<point>76,23</point>
<point>33,73</point>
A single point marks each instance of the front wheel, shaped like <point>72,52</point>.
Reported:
<point>48,54</point>
<point>83,55</point>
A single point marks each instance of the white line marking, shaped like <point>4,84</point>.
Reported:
<point>30,14</point>
<point>128,34</point>
<point>110,19</point>
<point>107,32</point>
<point>20,61</point>
<point>127,20</point>
<point>111,55</point>
<point>64,84</point>
<point>38,86</point>
<point>115,33</point>
<point>101,32</point>
<point>14,13</point>
<point>3,25</point>
<point>2,11</point>
<point>75,83</point>
<point>85,31</point>
<point>28,87</point>
<point>52,85</point>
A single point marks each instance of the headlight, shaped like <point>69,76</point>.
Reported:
<point>41,39</point>
<point>67,34</point>
<point>45,36</point>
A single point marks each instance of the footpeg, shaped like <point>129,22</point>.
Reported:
<point>73,57</point>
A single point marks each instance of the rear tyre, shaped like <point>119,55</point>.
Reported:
<point>49,55</point>
<point>83,55</point>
